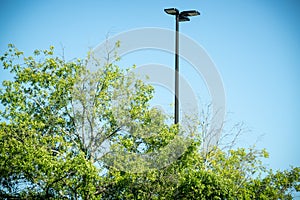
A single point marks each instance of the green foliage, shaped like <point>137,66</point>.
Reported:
<point>57,115</point>
<point>39,155</point>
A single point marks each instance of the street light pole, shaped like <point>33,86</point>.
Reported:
<point>179,17</point>
<point>176,113</point>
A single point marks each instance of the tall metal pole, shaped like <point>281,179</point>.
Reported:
<point>180,17</point>
<point>177,71</point>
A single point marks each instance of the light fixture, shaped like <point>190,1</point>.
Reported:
<point>179,17</point>
<point>172,11</point>
<point>190,13</point>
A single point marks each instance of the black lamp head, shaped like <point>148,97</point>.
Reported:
<point>183,18</point>
<point>190,13</point>
<point>172,11</point>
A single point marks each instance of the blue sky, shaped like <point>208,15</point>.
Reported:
<point>255,45</point>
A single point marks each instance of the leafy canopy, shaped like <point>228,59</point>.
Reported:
<point>70,132</point>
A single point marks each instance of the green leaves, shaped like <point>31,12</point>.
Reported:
<point>38,149</point>
<point>67,132</point>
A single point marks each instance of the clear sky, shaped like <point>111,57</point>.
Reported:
<point>255,45</point>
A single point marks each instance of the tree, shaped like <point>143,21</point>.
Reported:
<point>68,132</point>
